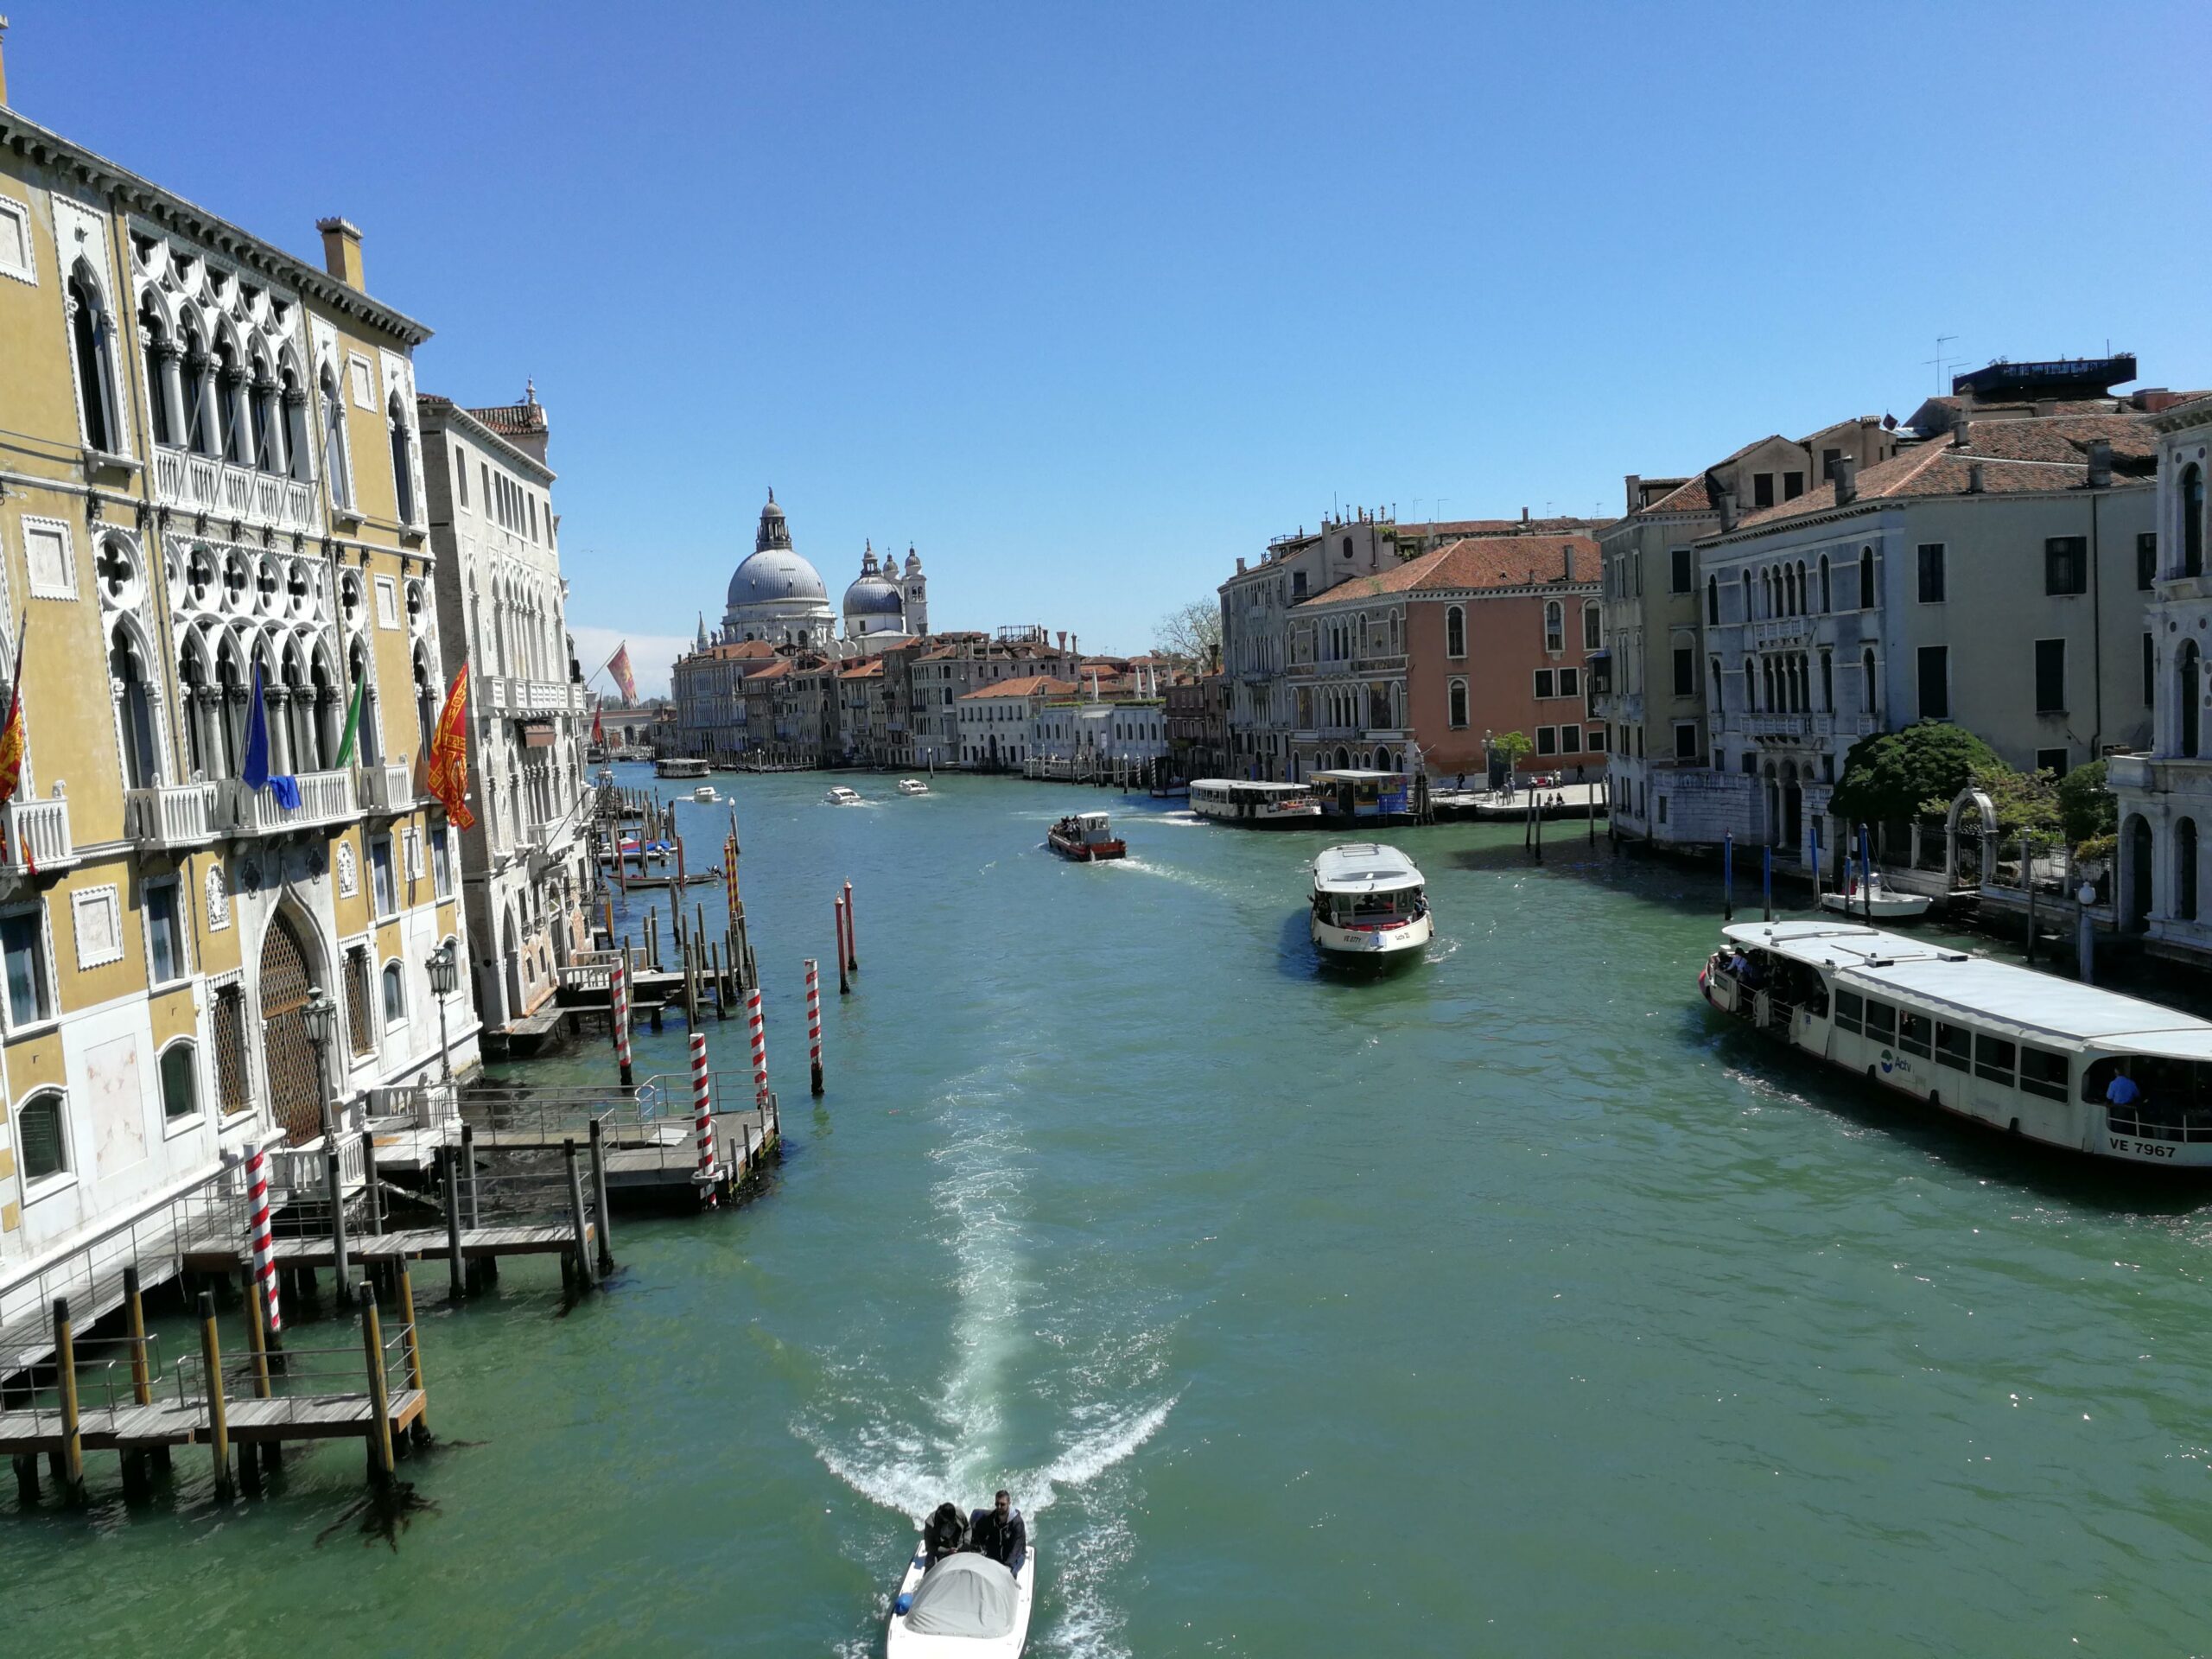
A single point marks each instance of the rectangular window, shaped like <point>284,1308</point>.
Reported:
<point>440,862</point>
<point>2150,668</point>
<point>1598,739</point>
<point>23,943</point>
<point>1934,681</point>
<point>1828,458</point>
<point>2053,761</point>
<point>1793,486</point>
<point>484,472</point>
<point>1543,682</point>
<point>386,889</point>
<point>1570,682</point>
<point>1931,573</point>
<point>164,935</point>
<point>2043,1073</point>
<point>1993,1058</point>
<point>1913,1032</point>
<point>460,474</point>
<point>1685,739</point>
<point>1684,570</point>
<point>2066,564</point>
<point>1762,489</point>
<point>2147,559</point>
<point>1953,1046</point>
<point>1546,739</point>
<point>1850,1008</point>
<point>1570,740</point>
<point>1685,671</point>
<point>1881,1021</point>
<point>2050,677</point>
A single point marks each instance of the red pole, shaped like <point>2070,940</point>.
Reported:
<point>852,950</point>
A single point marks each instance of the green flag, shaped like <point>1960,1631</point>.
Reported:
<point>352,726</point>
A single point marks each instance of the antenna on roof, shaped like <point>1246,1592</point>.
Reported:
<point>1942,360</point>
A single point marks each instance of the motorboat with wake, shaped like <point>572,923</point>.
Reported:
<point>1085,838</point>
<point>1370,904</point>
<point>841,796</point>
<point>913,786</point>
<point>958,1602</point>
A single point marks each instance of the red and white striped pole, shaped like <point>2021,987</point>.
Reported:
<point>258,1232</point>
<point>814,1021</point>
<point>760,1046</point>
<point>703,1107</point>
<point>852,950</point>
<point>844,984</point>
<point>618,1003</point>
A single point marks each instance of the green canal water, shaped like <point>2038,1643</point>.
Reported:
<point>1508,1306</point>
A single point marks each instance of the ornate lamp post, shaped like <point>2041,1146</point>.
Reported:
<point>320,1015</point>
<point>445,975</point>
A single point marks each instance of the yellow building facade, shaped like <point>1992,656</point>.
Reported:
<point>209,464</point>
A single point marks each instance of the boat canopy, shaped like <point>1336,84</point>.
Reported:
<point>1251,789</point>
<point>1089,820</point>
<point>1358,775</point>
<point>1360,866</point>
<point>966,1594</point>
<point>1997,994</point>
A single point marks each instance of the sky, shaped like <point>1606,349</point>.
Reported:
<point>1085,302</point>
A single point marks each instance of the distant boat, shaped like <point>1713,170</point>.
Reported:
<point>841,796</point>
<point>913,786</point>
<point>1086,837</point>
<point>705,793</point>
<point>1370,902</point>
<point>1875,900</point>
<point>678,765</point>
<point>1256,805</point>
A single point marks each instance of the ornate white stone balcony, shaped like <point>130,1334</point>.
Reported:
<point>170,816</point>
<point>1778,724</point>
<point>200,483</point>
<point>325,798</point>
<point>40,829</point>
<point>387,789</point>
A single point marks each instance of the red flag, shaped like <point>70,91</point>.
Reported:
<point>447,775</point>
<point>11,742</point>
<point>619,664</point>
<point>598,725</point>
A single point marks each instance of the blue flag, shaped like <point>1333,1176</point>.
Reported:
<point>254,773</point>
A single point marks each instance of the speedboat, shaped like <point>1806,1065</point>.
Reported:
<point>913,786</point>
<point>967,1606</point>
<point>1874,900</point>
<point>1370,902</point>
<point>705,794</point>
<point>1085,838</point>
<point>841,796</point>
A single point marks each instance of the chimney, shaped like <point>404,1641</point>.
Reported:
<point>2100,464</point>
<point>1240,567</point>
<point>1975,484</point>
<point>1634,491</point>
<point>2045,408</point>
<point>1569,551</point>
<point>3,63</point>
<point>341,250</point>
<point>1727,497</point>
<point>1961,434</point>
<point>1524,515</point>
<point>1847,480</point>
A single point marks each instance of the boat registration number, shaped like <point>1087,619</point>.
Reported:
<point>2122,1144</point>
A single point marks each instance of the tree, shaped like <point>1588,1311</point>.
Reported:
<point>1512,747</point>
<point>1190,634</point>
<point>2026,803</point>
<point>1890,777</point>
<point>2087,810</point>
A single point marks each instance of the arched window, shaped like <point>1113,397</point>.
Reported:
<point>1347,547</point>
<point>1720,696</point>
<point>1767,593</point>
<point>1867,699</point>
<point>160,371</point>
<point>395,993</point>
<point>1455,630</point>
<point>1804,598</point>
<point>229,400</point>
<point>265,418</point>
<point>1828,602</point>
<point>1555,626</point>
<point>1593,628</point>
<point>1747,595</point>
<point>1828,683</point>
<point>1713,601</point>
<point>296,464</point>
<point>1865,578</point>
<point>90,334</point>
<point>2185,870</point>
<point>134,712</point>
<point>2192,520</point>
<point>334,442</point>
<point>2187,697</point>
<point>180,1081</point>
<point>42,1137</point>
<point>403,460</point>
<point>1750,687</point>
<point>1459,702</point>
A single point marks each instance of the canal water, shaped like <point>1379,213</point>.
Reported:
<point>1508,1306</point>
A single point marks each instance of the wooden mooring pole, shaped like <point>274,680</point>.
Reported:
<point>585,1277</point>
<point>219,1422</point>
<point>450,1158</point>
<point>69,1459</point>
<point>420,1433</point>
<point>380,1454</point>
<point>599,1199</point>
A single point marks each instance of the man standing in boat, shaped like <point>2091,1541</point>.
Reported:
<point>998,1532</point>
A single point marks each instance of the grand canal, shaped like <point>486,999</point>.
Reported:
<point>1508,1306</point>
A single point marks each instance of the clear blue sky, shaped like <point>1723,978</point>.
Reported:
<point>1086,304</point>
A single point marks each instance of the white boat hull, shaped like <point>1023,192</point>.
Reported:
<point>900,1642</point>
<point>1882,907</point>
<point>1377,945</point>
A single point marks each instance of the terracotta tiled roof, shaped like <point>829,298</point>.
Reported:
<point>870,670</point>
<point>1476,561</point>
<point>1029,685</point>
<point>780,669</point>
<point>512,420</point>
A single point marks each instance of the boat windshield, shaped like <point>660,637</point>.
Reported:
<point>2163,1099</point>
<point>1357,909</point>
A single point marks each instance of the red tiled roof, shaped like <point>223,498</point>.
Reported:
<point>872,668</point>
<point>1029,685</point>
<point>1474,563</point>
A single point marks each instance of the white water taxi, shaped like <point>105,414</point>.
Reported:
<point>841,796</point>
<point>1254,805</point>
<point>705,795</point>
<point>913,786</point>
<point>967,1606</point>
<point>679,766</point>
<point>1369,902</point>
<point>1874,900</point>
<point>2051,1059</point>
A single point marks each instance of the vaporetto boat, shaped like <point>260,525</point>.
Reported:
<point>2047,1058</point>
<point>1370,901</point>
<point>1255,806</point>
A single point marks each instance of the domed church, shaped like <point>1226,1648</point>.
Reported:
<point>777,596</point>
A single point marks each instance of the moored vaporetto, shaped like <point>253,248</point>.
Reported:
<point>2047,1058</point>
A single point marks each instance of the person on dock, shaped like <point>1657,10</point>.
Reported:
<point>998,1532</point>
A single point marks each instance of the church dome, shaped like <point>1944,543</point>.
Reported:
<point>872,596</point>
<point>773,573</point>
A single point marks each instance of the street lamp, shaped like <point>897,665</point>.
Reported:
<point>320,1015</point>
<point>445,975</point>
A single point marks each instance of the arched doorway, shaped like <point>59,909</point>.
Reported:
<point>287,1055</point>
<point>2138,874</point>
<point>511,958</point>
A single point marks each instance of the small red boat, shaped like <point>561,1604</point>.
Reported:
<point>1085,837</point>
